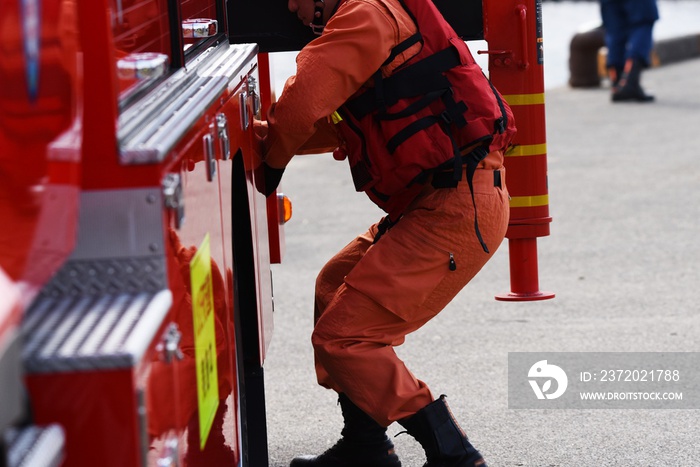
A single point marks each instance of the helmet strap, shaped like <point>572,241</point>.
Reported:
<point>317,23</point>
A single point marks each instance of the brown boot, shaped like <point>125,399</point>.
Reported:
<point>444,442</point>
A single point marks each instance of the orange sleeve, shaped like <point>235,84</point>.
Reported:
<point>356,41</point>
<point>324,139</point>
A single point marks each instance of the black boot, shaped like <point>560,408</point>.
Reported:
<point>444,442</point>
<point>364,443</point>
<point>629,87</point>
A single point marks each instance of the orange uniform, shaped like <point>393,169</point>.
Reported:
<point>372,294</point>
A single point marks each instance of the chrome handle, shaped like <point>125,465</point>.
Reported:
<point>253,90</point>
<point>222,128</point>
<point>144,65</point>
<point>168,456</point>
<point>170,345</point>
<point>243,103</point>
<point>173,197</point>
<point>198,28</point>
<point>209,157</point>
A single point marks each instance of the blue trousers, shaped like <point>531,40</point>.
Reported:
<point>628,29</point>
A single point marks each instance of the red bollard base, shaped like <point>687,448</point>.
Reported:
<point>524,297</point>
<point>524,281</point>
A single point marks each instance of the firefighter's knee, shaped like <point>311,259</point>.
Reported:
<point>327,344</point>
<point>321,342</point>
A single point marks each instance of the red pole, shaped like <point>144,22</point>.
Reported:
<point>513,30</point>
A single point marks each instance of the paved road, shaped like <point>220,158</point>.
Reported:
<point>623,258</point>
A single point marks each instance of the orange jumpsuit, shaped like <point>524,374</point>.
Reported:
<point>369,296</point>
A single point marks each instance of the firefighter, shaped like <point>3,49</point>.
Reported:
<point>392,279</point>
<point>628,36</point>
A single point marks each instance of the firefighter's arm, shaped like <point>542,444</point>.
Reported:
<point>324,139</point>
<point>330,69</point>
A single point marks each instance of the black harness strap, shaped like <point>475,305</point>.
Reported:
<point>453,114</point>
<point>384,225</point>
<point>410,130</point>
<point>421,78</point>
<point>473,159</point>
<point>502,123</point>
<point>402,47</point>
<point>454,111</point>
<point>448,180</point>
<point>412,108</point>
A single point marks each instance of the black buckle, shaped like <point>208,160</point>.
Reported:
<point>497,179</point>
<point>446,117</point>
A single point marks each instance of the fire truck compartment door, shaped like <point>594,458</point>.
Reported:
<point>150,128</point>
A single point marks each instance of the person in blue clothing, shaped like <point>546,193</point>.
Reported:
<point>628,36</point>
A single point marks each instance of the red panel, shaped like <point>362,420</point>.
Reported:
<point>140,26</point>
<point>37,107</point>
<point>207,212</point>
<point>97,411</point>
<point>198,9</point>
<point>101,167</point>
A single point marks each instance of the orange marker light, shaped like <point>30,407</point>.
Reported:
<point>284,208</point>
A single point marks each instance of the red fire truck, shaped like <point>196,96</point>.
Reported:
<point>135,248</point>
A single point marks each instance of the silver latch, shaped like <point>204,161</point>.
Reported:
<point>253,91</point>
<point>173,197</point>
<point>168,456</point>
<point>209,156</point>
<point>243,104</point>
<point>170,345</point>
<point>222,128</point>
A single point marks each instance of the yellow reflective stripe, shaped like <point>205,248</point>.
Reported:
<point>527,150</point>
<point>529,201</point>
<point>524,99</point>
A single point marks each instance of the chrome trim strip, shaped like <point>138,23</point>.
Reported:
<point>150,128</point>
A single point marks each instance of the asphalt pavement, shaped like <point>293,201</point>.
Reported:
<point>623,258</point>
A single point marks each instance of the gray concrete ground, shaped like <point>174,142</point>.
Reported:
<point>623,259</point>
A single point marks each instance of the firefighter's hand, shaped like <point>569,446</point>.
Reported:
<point>260,131</point>
<point>270,179</point>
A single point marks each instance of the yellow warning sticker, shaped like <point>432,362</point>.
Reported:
<point>204,339</point>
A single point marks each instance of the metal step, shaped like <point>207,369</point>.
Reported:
<point>35,446</point>
<point>88,333</point>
